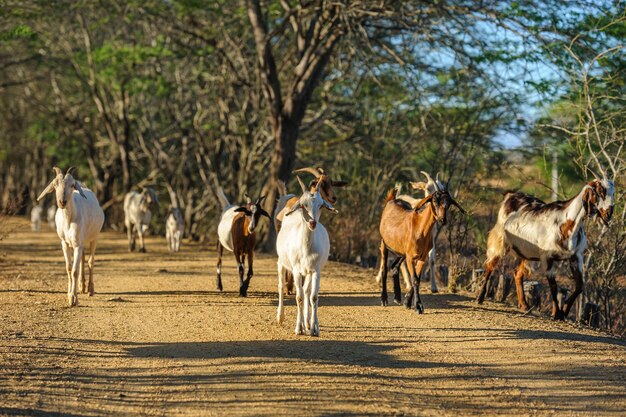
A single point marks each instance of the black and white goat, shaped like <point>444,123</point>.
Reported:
<point>548,233</point>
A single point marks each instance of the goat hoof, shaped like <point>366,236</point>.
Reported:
<point>479,301</point>
<point>434,290</point>
<point>384,302</point>
<point>419,309</point>
<point>142,250</point>
<point>72,300</point>
<point>243,293</point>
<point>559,316</point>
<point>397,301</point>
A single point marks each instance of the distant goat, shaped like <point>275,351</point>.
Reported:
<point>79,220</point>
<point>52,211</point>
<point>407,231</point>
<point>236,233</point>
<point>137,215</point>
<point>548,233</point>
<point>36,216</point>
<point>174,228</point>
<point>303,247</point>
<point>286,201</point>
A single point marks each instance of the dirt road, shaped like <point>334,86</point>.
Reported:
<point>157,339</point>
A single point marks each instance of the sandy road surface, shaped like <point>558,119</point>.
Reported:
<point>174,346</point>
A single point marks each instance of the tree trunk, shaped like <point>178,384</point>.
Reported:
<point>281,166</point>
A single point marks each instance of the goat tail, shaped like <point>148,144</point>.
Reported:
<point>282,188</point>
<point>391,195</point>
<point>222,197</point>
<point>496,247</point>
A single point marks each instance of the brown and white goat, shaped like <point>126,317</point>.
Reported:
<point>407,232</point>
<point>548,233</point>
<point>287,201</point>
<point>236,233</point>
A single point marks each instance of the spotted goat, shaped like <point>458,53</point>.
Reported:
<point>548,233</point>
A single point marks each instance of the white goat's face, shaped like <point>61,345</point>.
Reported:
<point>64,186</point>
<point>309,206</point>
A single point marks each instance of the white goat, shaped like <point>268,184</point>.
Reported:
<point>36,214</point>
<point>137,215</point>
<point>429,187</point>
<point>174,227</point>
<point>79,220</point>
<point>52,211</point>
<point>303,246</point>
<point>549,233</point>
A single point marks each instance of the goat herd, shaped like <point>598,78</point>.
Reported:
<point>534,230</point>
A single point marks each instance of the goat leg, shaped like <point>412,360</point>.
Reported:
<point>395,271</point>
<point>384,253</point>
<point>419,308</point>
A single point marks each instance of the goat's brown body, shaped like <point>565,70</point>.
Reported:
<point>243,241</point>
<point>408,233</point>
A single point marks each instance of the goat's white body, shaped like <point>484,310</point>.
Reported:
<point>304,253</point>
<point>225,227</point>
<point>51,214</point>
<point>36,215</point>
<point>133,213</point>
<point>136,218</point>
<point>538,236</point>
<point>174,228</point>
<point>79,224</point>
<point>83,223</point>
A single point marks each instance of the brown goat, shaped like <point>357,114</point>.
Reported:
<point>407,231</point>
<point>325,189</point>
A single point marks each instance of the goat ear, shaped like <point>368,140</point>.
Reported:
<point>419,185</point>
<point>423,202</point>
<point>78,188</point>
<point>339,183</point>
<point>329,207</point>
<point>454,203</point>
<point>57,171</point>
<point>293,209</point>
<point>46,190</point>
<point>264,213</point>
<point>243,210</point>
<point>247,197</point>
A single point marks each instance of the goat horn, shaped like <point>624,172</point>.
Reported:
<point>427,175</point>
<point>310,170</point>
<point>57,170</point>
<point>301,184</point>
<point>71,171</point>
